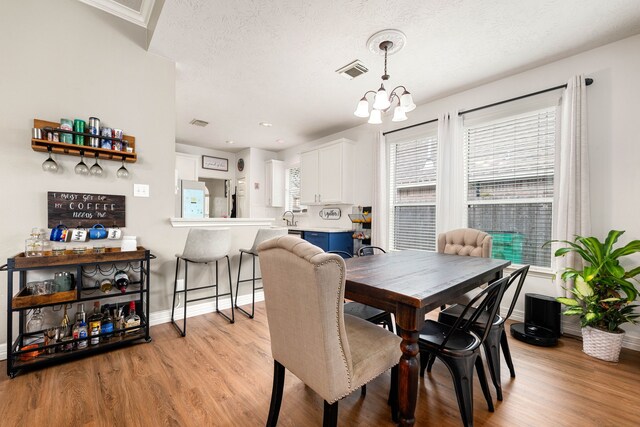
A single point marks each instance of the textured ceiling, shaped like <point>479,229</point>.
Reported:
<point>246,61</point>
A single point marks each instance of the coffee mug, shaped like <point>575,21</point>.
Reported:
<point>98,232</point>
<point>79,235</point>
<point>114,233</point>
<point>60,234</point>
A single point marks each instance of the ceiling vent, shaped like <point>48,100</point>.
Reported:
<point>352,70</point>
<point>197,122</point>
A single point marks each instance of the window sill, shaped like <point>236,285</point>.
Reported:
<point>544,272</point>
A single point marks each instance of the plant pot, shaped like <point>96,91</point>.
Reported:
<point>602,344</point>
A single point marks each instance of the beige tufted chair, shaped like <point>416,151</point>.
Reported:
<point>333,353</point>
<point>465,242</point>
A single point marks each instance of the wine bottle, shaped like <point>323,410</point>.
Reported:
<point>132,319</point>
<point>122,280</point>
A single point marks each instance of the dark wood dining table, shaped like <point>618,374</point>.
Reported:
<point>411,284</point>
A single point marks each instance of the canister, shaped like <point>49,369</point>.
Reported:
<point>94,129</point>
<point>66,124</point>
<point>106,143</point>
<point>78,126</point>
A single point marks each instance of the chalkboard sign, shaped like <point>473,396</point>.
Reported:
<point>85,209</point>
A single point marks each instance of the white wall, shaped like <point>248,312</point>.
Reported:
<point>66,59</point>
<point>613,138</point>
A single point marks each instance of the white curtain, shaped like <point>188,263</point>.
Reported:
<point>451,212</point>
<point>571,214</point>
<point>380,207</point>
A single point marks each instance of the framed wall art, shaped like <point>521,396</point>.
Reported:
<point>215,163</point>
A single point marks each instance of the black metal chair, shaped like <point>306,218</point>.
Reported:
<point>370,250</point>
<point>497,336</point>
<point>459,348</point>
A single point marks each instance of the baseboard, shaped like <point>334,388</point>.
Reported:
<point>571,327</point>
<point>164,316</point>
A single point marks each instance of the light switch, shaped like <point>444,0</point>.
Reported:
<point>140,190</point>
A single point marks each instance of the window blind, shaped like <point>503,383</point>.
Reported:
<point>509,167</point>
<point>293,190</point>
<point>412,186</point>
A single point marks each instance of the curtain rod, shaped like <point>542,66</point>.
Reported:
<point>587,82</point>
<point>409,127</point>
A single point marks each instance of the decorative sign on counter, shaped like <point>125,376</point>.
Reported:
<point>85,209</point>
<point>330,213</point>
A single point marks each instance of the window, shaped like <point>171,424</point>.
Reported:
<point>412,185</point>
<point>292,188</point>
<point>509,166</point>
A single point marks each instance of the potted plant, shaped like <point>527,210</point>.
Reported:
<point>603,293</point>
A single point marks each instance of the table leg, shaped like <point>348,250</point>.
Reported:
<point>408,320</point>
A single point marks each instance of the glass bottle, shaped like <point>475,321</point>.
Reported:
<point>95,321</point>
<point>82,333</point>
<point>107,325</point>
<point>122,280</point>
<point>34,244</point>
<point>132,319</point>
<point>36,322</point>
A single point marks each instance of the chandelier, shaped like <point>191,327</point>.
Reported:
<point>386,42</point>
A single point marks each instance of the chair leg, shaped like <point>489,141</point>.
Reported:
<point>507,353</point>
<point>483,383</point>
<point>424,360</point>
<point>235,303</point>
<point>492,352</point>
<point>233,316</point>
<point>432,359</point>
<point>330,418</point>
<point>462,373</point>
<point>175,290</point>
<point>253,291</point>
<point>276,394</point>
<point>393,394</point>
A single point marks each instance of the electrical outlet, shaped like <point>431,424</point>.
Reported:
<point>140,190</point>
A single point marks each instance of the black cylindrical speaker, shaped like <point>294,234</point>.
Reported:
<point>542,321</point>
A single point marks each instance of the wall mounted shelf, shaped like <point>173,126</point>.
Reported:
<point>43,145</point>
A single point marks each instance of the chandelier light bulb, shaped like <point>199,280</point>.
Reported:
<point>398,114</point>
<point>381,101</point>
<point>406,101</point>
<point>363,108</point>
<point>376,117</point>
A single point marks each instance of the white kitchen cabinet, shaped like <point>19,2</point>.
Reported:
<point>274,183</point>
<point>326,174</point>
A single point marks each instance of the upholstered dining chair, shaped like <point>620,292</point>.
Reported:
<point>465,242</point>
<point>331,352</point>
<point>497,336</point>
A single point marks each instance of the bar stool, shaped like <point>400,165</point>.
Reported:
<point>262,235</point>
<point>203,247</point>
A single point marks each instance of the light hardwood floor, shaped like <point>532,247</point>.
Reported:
<point>220,375</point>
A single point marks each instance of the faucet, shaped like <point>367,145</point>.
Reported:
<point>292,222</point>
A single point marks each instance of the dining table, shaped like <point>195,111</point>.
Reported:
<point>410,284</point>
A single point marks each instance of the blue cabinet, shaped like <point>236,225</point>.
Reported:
<point>331,241</point>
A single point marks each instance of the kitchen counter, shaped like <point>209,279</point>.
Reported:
<point>221,222</point>
<point>321,229</point>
